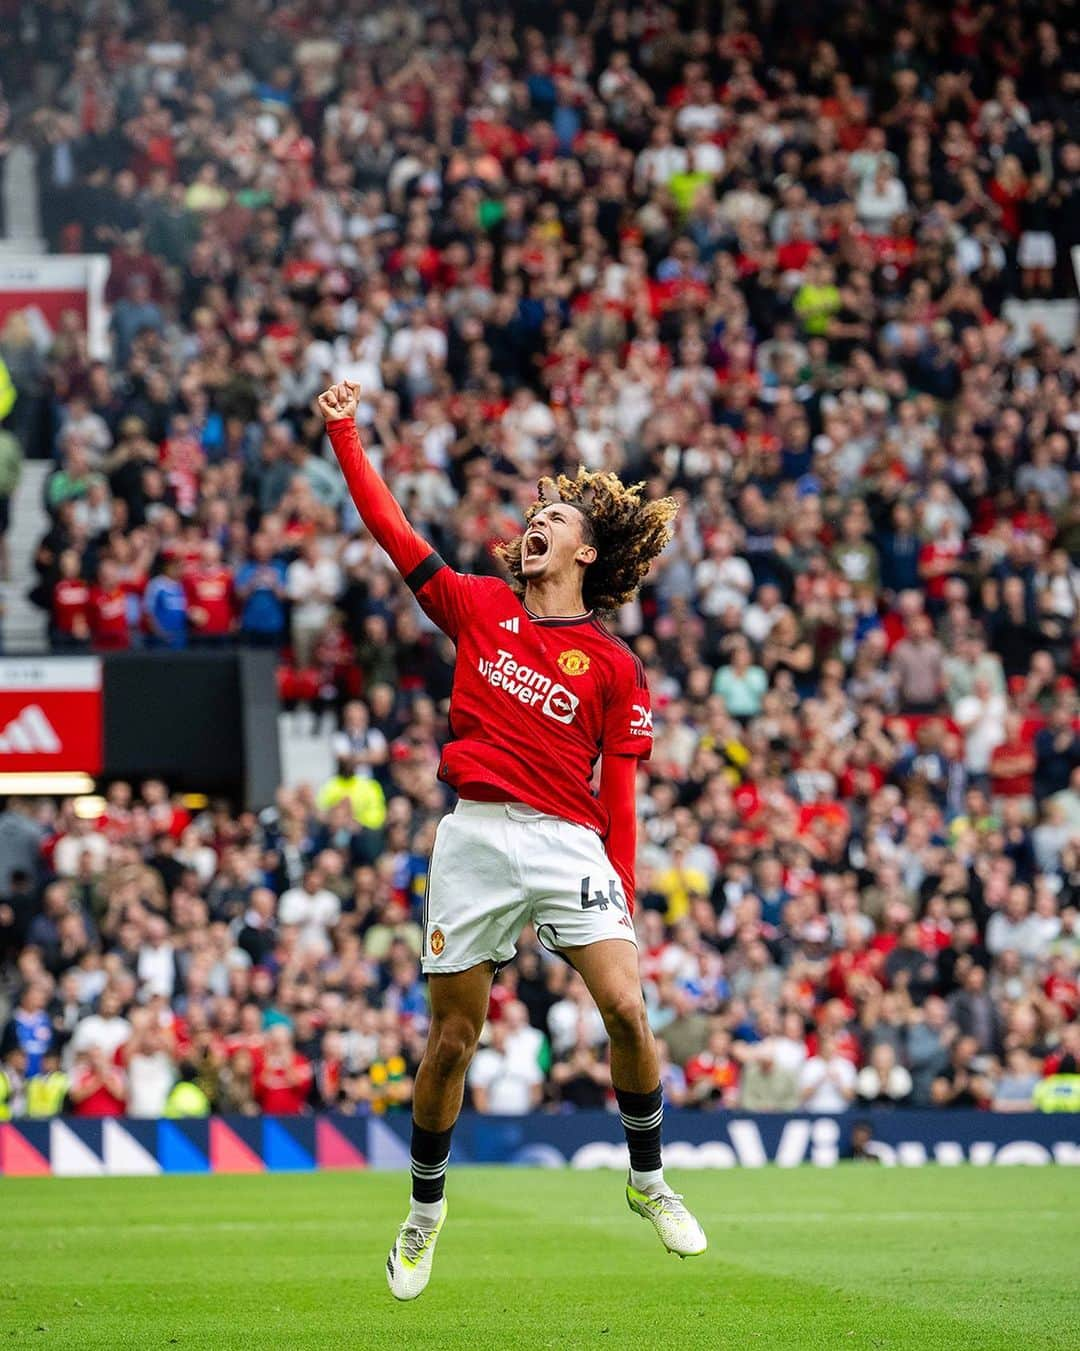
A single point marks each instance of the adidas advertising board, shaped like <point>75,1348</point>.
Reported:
<point>50,715</point>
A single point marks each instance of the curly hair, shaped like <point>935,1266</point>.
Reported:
<point>627,531</point>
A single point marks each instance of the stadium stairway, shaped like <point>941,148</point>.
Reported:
<point>304,747</point>
<point>21,214</point>
<point>24,625</point>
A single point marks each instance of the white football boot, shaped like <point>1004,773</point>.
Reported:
<point>408,1268</point>
<point>679,1232</point>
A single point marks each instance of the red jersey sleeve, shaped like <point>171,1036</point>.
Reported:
<point>628,728</point>
<point>447,596</point>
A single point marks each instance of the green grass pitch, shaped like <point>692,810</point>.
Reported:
<point>851,1257</point>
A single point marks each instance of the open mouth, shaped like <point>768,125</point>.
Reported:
<point>536,545</point>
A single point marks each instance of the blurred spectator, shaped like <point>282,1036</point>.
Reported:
<point>504,1083</point>
<point>882,1082</point>
<point>261,591</point>
<point>47,1090</point>
<point>712,1076</point>
<point>964,1081</point>
<point>29,1029</point>
<point>582,1079</point>
<point>187,1099</point>
<point>104,1031</point>
<point>312,908</point>
<point>282,1076</point>
<point>98,1086</point>
<point>313,582</point>
<point>210,598</point>
<point>149,1064</point>
<point>816,317</point>
<point>1015,1086</point>
<point>165,606</point>
<point>359,748</point>
<point>827,1080</point>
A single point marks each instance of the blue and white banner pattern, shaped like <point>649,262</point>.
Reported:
<point>124,1147</point>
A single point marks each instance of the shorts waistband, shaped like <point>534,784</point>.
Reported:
<point>518,811</point>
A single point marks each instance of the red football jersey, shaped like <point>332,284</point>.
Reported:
<point>281,1090</point>
<point>212,592</point>
<point>109,619</point>
<point>535,702</point>
<point>70,601</point>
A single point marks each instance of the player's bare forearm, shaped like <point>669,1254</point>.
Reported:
<point>377,506</point>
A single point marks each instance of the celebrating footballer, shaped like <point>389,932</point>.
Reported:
<point>541,691</point>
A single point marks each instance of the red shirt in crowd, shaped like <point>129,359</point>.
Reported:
<point>109,619</point>
<point>847,1045</point>
<point>941,554</point>
<point>102,1100</point>
<point>1004,760</point>
<point>721,1071</point>
<point>281,1088</point>
<point>210,591</point>
<point>170,818</point>
<point>1065,992</point>
<point>845,965</point>
<point>70,607</point>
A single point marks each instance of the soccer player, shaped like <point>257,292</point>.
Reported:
<point>541,691</point>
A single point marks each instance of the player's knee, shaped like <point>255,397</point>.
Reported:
<point>451,1043</point>
<point>624,1017</point>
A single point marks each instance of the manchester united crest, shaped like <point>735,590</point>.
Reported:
<point>573,662</point>
<point>438,942</point>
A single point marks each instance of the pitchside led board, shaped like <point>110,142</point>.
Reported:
<point>206,722</point>
<point>51,718</point>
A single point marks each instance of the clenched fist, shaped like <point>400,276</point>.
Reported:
<point>339,401</point>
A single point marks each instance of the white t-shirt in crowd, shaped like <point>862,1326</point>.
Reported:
<point>70,849</point>
<point>314,912</point>
<point>419,350</point>
<point>827,1095</point>
<point>108,1033</point>
<point>563,1019</point>
<point>508,1081</point>
<point>983,722</point>
<point>150,1078</point>
<point>523,1048</point>
<point>156,969</point>
<point>787,1053</point>
<point>313,588</point>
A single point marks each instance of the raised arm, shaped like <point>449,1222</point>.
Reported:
<point>409,552</point>
<point>445,595</point>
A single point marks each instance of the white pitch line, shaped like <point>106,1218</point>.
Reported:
<point>728,1221</point>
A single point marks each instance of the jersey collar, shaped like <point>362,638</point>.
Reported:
<point>557,621</point>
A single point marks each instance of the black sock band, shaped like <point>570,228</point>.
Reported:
<point>430,1155</point>
<point>642,1117</point>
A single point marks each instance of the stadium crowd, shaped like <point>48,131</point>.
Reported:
<point>757,259</point>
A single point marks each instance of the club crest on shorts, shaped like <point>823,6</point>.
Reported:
<point>573,662</point>
<point>438,942</point>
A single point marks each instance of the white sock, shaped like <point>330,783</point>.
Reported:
<point>425,1213</point>
<point>644,1182</point>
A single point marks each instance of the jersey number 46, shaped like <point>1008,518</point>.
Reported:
<point>594,900</point>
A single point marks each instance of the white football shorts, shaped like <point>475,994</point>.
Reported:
<point>497,866</point>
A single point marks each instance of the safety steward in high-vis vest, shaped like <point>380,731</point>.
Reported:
<point>46,1094</point>
<point>186,1099</point>
<point>1058,1093</point>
